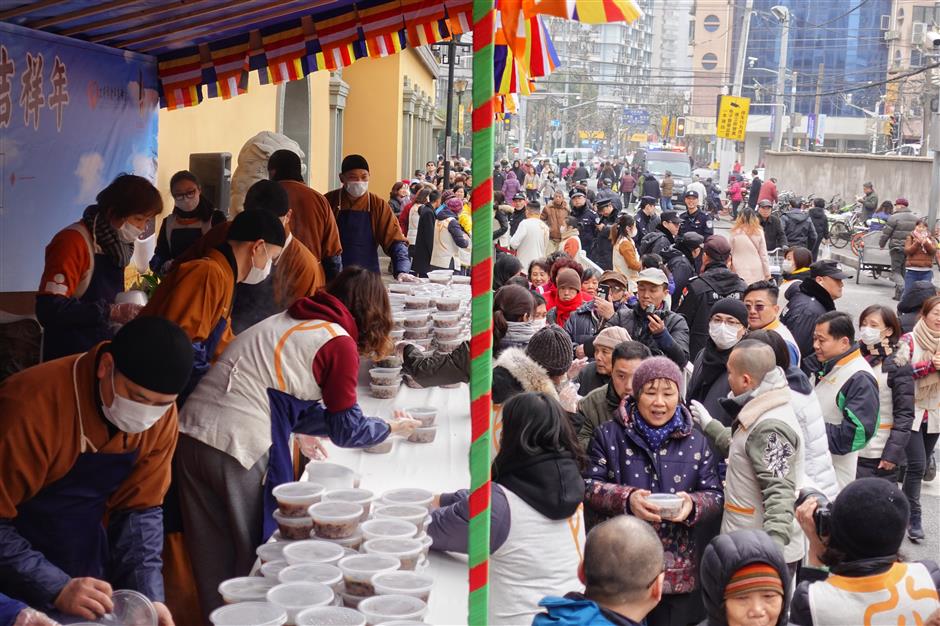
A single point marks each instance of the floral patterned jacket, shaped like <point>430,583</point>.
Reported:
<point>620,462</point>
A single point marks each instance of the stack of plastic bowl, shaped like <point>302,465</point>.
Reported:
<point>385,381</point>
<point>427,432</point>
<point>293,501</point>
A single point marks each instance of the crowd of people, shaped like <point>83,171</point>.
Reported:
<point>683,434</point>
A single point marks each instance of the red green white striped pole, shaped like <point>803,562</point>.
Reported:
<point>481,341</point>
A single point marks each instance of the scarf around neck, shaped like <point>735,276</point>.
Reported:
<point>926,389</point>
<point>107,237</point>
<point>563,309</point>
<point>518,333</point>
<point>654,436</point>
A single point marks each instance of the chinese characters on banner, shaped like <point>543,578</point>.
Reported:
<point>732,118</point>
<point>73,116</point>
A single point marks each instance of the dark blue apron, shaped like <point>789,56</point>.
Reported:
<point>357,238</point>
<point>107,280</point>
<point>288,414</point>
<point>203,351</point>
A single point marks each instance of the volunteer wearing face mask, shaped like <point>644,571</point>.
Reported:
<point>879,333</point>
<point>764,447</point>
<point>85,448</point>
<point>366,221</point>
<point>198,296</point>
<point>709,384</point>
<point>85,268</point>
<point>192,217</point>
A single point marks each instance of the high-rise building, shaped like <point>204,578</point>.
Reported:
<point>672,60</point>
<point>907,96</point>
<point>712,62</point>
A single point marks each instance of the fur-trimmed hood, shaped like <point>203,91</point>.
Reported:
<point>515,372</point>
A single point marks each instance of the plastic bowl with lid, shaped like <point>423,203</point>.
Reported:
<point>383,447</point>
<point>460,280</point>
<point>408,551</point>
<point>424,344</point>
<point>440,277</point>
<point>448,334</point>
<point>331,475</point>
<point>293,527</point>
<point>404,583</point>
<point>385,376</point>
<point>296,597</point>
<point>408,495</point>
<point>323,573</point>
<point>389,529</point>
<point>406,512</point>
<point>416,319</point>
<point>294,498</point>
<point>446,304</point>
<point>272,568</point>
<point>312,551</point>
<point>446,346</point>
<point>352,542</point>
<point>405,288</point>
<point>249,614</point>
<point>417,302</point>
<point>423,332</point>
<point>669,504</point>
<point>330,616</point>
<point>358,571</point>
<point>424,414</point>
<point>245,589</point>
<point>352,601</point>
<point>389,361</point>
<point>362,497</point>
<point>271,551</point>
<point>396,606</point>
<point>384,392</point>
<point>446,320</point>
<point>335,520</point>
<point>426,542</point>
<point>423,434</point>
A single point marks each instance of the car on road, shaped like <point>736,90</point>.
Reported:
<point>658,162</point>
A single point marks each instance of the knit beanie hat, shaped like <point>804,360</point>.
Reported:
<point>733,307</point>
<point>567,278</point>
<point>754,577</point>
<point>654,368</point>
<point>551,348</point>
<point>154,353</point>
<point>869,519</point>
<point>354,162</point>
<point>611,337</point>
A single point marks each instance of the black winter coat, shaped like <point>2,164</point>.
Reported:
<point>582,326</point>
<point>587,226</point>
<point>645,224</point>
<point>728,553</point>
<point>911,302</point>
<point>820,223</point>
<point>804,306</point>
<point>681,269</point>
<point>901,384</point>
<point>773,232</point>
<point>656,241</point>
<point>799,230</point>
<point>900,224</point>
<point>651,187</point>
<point>704,290</point>
<point>673,342</point>
<point>754,192</point>
<point>602,250</point>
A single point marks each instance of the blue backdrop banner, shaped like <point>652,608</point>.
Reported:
<point>73,116</point>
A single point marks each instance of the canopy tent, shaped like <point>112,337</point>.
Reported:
<point>216,43</point>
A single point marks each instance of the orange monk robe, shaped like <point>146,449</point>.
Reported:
<point>312,220</point>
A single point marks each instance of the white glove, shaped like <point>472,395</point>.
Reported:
<point>29,617</point>
<point>576,366</point>
<point>407,278</point>
<point>700,414</point>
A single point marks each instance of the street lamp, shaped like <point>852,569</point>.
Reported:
<point>460,85</point>
<point>782,14</point>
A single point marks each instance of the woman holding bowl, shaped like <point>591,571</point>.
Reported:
<point>649,462</point>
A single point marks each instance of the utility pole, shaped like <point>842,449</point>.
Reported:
<point>726,146</point>
<point>784,17</point>
<point>820,74</point>
<point>792,109</point>
<point>934,198</point>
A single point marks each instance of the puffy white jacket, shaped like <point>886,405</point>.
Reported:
<point>817,462</point>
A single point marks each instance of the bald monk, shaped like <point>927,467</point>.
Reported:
<point>86,443</point>
<point>366,221</point>
<point>311,218</point>
<point>296,273</point>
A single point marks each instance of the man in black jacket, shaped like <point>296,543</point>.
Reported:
<point>714,283</point>
<point>774,235</point>
<point>646,218</point>
<point>519,202</point>
<point>651,186</point>
<point>900,224</point>
<point>587,220</point>
<point>813,298</point>
<point>661,237</point>
<point>798,227</point>
<point>680,260</point>
<point>754,192</point>
<point>665,333</point>
<point>820,223</point>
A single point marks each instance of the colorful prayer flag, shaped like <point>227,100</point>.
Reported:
<point>587,11</point>
<point>230,63</point>
<point>425,21</point>
<point>180,79</point>
<point>284,48</point>
<point>459,15</point>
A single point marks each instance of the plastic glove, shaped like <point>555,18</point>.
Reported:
<point>402,424</point>
<point>700,414</point>
<point>568,397</point>
<point>311,447</point>
<point>124,312</point>
<point>576,366</point>
<point>29,617</point>
<point>407,278</point>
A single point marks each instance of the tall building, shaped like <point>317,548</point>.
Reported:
<point>910,21</point>
<point>672,60</point>
<point>712,62</point>
<point>844,37</point>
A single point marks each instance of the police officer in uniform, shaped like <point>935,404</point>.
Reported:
<point>694,219</point>
<point>714,283</point>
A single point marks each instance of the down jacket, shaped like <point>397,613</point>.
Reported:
<point>817,460</point>
<point>673,342</point>
<point>620,462</point>
<point>799,230</point>
<point>728,553</point>
<point>900,224</point>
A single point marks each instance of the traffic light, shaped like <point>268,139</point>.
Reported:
<point>894,125</point>
<point>680,127</point>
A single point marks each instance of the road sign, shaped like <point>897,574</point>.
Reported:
<point>556,123</point>
<point>639,137</point>
<point>557,134</point>
<point>732,117</point>
<point>636,117</point>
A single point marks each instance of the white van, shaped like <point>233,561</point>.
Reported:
<point>567,155</point>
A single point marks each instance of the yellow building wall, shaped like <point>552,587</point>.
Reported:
<point>214,125</point>
<point>318,164</point>
<point>412,67</point>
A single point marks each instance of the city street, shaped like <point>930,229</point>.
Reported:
<point>856,298</point>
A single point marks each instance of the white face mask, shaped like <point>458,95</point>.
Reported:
<point>128,232</point>
<point>869,336</point>
<point>255,274</point>
<point>188,204</point>
<point>787,266</point>
<point>538,323</point>
<point>724,335</point>
<point>357,188</point>
<point>130,416</point>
